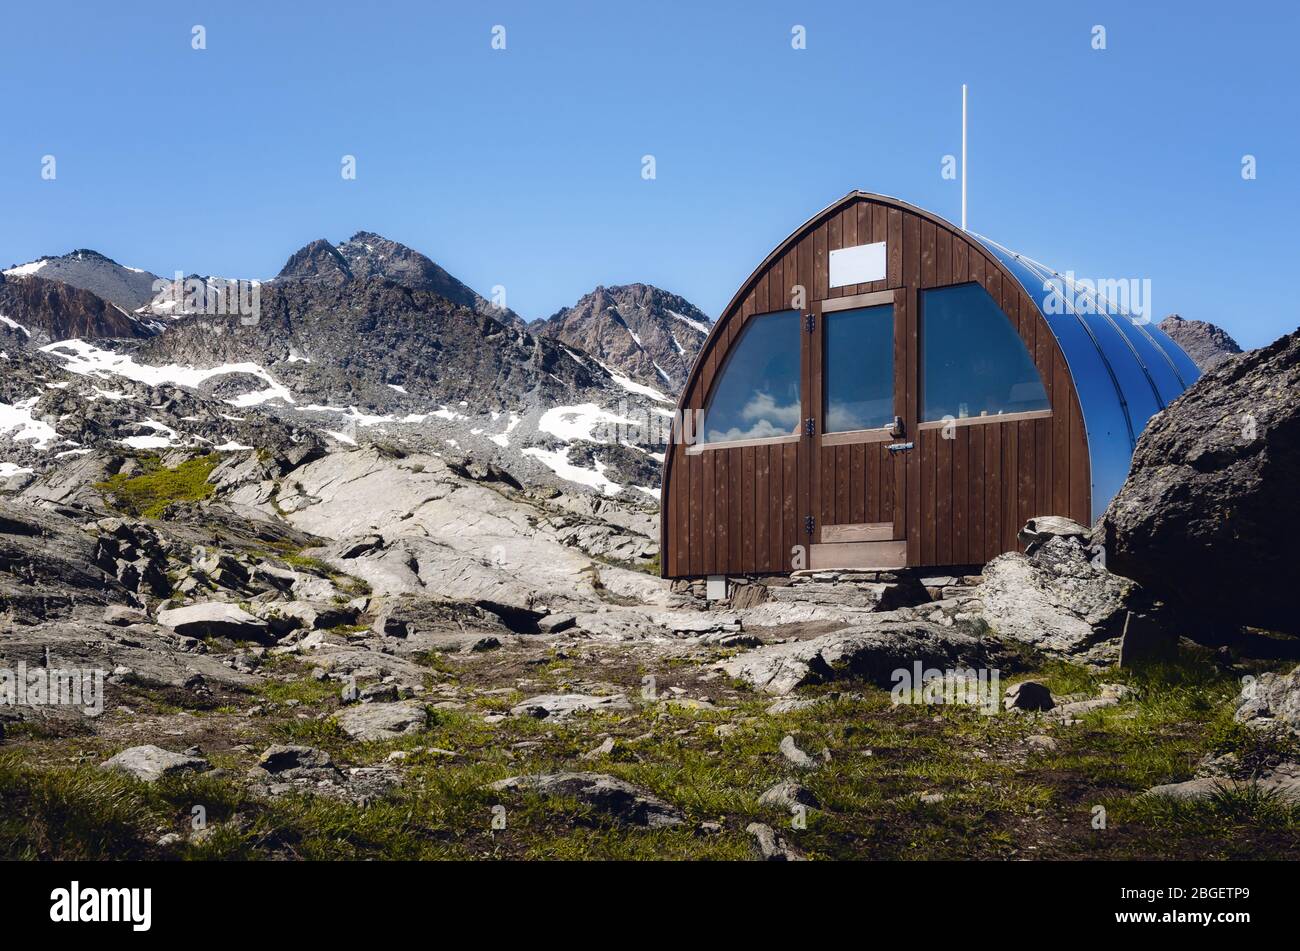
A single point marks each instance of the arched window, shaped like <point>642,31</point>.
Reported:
<point>757,393</point>
<point>973,362</point>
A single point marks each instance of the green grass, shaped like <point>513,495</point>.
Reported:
<point>311,564</point>
<point>147,495</point>
<point>1002,800</point>
<point>346,583</point>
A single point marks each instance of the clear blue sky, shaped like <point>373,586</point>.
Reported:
<point>523,167</point>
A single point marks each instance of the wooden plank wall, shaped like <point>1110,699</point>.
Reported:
<point>862,477</point>
<point>957,501</point>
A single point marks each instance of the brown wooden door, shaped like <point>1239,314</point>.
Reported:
<point>863,425</point>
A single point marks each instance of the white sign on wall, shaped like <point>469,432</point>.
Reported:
<point>858,265</point>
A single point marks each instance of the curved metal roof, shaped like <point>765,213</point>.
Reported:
<point>1124,370</point>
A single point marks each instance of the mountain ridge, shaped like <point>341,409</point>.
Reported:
<point>649,333</point>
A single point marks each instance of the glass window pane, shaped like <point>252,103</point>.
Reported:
<point>858,369</point>
<point>758,393</point>
<point>973,362</point>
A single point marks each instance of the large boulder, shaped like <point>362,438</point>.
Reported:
<point>870,652</point>
<point>215,619</point>
<point>1062,603</point>
<point>1210,512</point>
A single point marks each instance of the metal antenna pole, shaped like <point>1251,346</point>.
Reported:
<point>963,156</point>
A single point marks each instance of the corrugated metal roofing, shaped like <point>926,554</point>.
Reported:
<point>1125,370</point>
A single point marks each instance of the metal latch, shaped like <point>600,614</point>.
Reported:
<point>899,446</point>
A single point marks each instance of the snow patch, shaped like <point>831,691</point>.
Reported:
<point>577,422</point>
<point>503,439</point>
<point>19,425</point>
<point>23,270</point>
<point>166,438</point>
<point>632,386</point>
<point>13,324</point>
<point>558,462</point>
<point>89,360</point>
<point>702,328</point>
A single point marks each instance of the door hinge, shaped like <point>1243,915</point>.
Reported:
<point>810,322</point>
<point>809,524</point>
<point>810,426</point>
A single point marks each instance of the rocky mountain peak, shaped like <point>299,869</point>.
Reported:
<point>644,331</point>
<point>369,254</point>
<point>127,287</point>
<point>317,261</point>
<point>1207,344</point>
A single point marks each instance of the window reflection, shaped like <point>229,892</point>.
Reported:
<point>858,369</point>
<point>973,362</point>
<point>757,395</point>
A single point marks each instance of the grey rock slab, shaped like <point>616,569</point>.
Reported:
<point>870,652</point>
<point>1283,781</point>
<point>614,798</point>
<point>558,706</point>
<point>151,763</point>
<point>555,623</point>
<point>382,721</point>
<point>1057,601</point>
<point>214,618</point>
<point>451,535</point>
<point>278,758</point>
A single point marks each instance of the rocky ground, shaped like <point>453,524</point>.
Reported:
<point>316,650</point>
<point>361,654</point>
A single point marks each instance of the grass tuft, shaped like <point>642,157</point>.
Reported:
<point>148,495</point>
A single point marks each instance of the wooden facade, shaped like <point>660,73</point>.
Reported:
<point>955,497</point>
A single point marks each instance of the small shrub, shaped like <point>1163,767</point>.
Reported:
<point>148,495</point>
